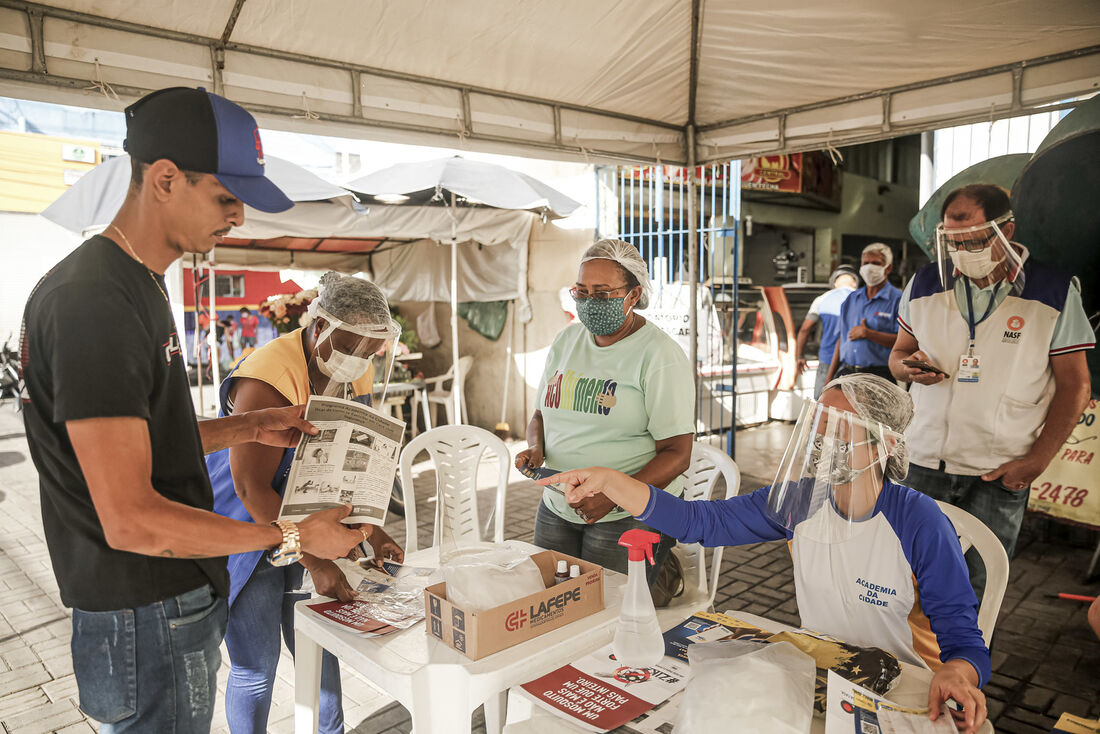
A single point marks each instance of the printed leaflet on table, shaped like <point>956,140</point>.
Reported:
<point>391,597</point>
<point>853,709</point>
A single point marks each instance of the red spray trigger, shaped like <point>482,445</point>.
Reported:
<point>639,544</point>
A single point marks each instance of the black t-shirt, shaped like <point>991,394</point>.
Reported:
<point>101,342</point>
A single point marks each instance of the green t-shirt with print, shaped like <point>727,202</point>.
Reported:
<point>608,406</point>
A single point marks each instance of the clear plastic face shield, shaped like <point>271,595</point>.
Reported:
<point>978,252</point>
<point>831,474</point>
<point>343,353</point>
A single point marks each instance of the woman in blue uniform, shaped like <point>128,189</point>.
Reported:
<point>875,563</point>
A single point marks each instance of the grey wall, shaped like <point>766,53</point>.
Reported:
<point>553,256</point>
<point>868,207</point>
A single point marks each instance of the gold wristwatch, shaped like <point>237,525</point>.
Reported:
<point>290,550</point>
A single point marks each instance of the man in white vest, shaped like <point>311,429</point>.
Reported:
<point>995,343</point>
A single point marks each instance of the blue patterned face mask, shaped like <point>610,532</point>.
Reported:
<point>601,317</point>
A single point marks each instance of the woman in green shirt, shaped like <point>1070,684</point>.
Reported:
<point>616,391</point>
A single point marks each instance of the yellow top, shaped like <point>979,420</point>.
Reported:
<point>282,364</point>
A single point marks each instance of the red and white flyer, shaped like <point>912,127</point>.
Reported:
<point>354,616</point>
<point>598,694</point>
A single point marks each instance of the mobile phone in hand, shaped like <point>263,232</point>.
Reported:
<point>541,472</point>
<point>922,365</point>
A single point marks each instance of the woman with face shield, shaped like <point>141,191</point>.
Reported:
<point>875,563</point>
<point>331,356</point>
<point>616,391</point>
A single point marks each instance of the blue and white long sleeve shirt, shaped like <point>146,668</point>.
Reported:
<point>897,581</point>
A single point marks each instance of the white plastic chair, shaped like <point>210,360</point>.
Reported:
<point>974,534</point>
<point>437,395</point>
<point>393,405</point>
<point>456,452</point>
<point>707,464</point>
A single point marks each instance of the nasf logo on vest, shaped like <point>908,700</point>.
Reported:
<point>1015,330</point>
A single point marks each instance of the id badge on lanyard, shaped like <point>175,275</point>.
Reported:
<point>970,364</point>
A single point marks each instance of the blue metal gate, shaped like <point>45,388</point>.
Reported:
<point>651,208</point>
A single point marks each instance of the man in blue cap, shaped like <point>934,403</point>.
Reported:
<point>126,500</point>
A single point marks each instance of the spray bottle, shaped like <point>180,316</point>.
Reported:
<point>638,641</point>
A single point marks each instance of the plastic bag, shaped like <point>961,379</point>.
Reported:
<point>394,593</point>
<point>746,686</point>
<point>487,579</point>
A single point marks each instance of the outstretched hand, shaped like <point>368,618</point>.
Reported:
<point>627,492</point>
<point>281,427</point>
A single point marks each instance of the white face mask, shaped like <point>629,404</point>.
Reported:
<point>975,264</point>
<point>342,367</point>
<point>872,274</point>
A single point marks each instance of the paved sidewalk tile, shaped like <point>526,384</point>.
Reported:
<point>47,718</point>
<point>1046,661</point>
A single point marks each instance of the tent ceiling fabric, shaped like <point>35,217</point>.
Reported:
<point>574,79</point>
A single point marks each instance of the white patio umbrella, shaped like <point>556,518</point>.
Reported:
<point>91,203</point>
<point>476,182</point>
<point>446,181</point>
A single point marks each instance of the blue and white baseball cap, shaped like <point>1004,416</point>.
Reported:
<point>204,133</point>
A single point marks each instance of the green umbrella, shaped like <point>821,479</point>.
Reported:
<point>1002,170</point>
<point>1057,205</point>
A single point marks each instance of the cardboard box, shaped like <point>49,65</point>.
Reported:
<point>477,634</point>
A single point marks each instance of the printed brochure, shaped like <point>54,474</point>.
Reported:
<point>352,459</point>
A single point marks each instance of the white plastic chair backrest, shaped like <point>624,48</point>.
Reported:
<point>707,464</point>
<point>464,364</point>
<point>455,452</point>
<point>974,534</point>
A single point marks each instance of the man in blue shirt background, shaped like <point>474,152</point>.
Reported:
<point>826,310</point>
<point>868,319</point>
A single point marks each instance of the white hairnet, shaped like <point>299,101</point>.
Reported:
<point>881,249</point>
<point>628,258</point>
<point>355,305</point>
<point>877,400</point>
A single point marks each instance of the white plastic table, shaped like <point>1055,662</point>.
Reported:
<point>417,389</point>
<point>438,685</point>
<point>910,690</point>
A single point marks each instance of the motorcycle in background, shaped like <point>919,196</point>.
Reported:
<point>11,378</point>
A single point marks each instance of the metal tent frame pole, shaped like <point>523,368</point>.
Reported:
<point>456,383</point>
<point>693,270</point>
<point>212,336</point>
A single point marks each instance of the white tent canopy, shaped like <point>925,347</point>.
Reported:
<point>626,80</point>
<point>325,231</point>
<point>418,269</point>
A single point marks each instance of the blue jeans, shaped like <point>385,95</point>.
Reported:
<point>262,612</point>
<point>151,668</point>
<point>597,543</point>
<point>1000,508</point>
